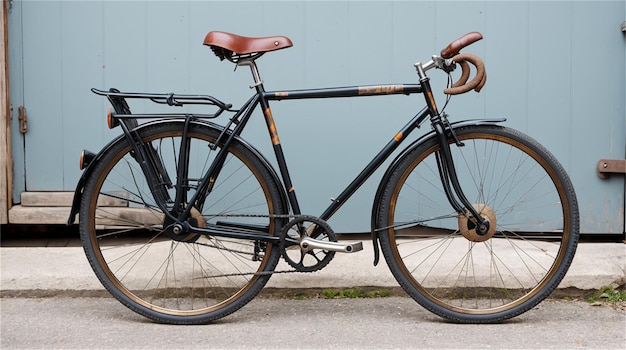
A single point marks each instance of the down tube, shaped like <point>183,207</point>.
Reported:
<point>374,164</point>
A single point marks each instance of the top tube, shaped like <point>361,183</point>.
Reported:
<point>350,91</point>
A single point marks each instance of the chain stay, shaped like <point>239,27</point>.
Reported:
<point>262,273</point>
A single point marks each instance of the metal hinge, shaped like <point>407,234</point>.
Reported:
<point>607,167</point>
<point>23,119</point>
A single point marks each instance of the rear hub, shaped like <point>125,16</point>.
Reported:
<point>179,232</point>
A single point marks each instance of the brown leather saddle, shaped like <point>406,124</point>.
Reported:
<point>235,47</point>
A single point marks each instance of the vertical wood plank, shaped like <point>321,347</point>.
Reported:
<point>43,93</point>
<point>15,78</point>
<point>81,64</point>
<point>596,127</point>
<point>5,132</point>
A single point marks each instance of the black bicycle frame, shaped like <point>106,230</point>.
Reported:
<point>262,98</point>
<point>233,129</point>
<point>238,122</point>
<point>369,90</point>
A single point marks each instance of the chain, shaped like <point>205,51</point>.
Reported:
<point>271,216</point>
<point>263,273</point>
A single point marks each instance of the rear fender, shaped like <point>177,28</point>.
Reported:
<point>80,186</point>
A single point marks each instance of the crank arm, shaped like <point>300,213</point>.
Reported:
<point>307,244</point>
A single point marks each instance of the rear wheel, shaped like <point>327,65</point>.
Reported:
<point>180,279</point>
<point>437,255</point>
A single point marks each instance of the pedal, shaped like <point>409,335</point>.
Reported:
<point>308,244</point>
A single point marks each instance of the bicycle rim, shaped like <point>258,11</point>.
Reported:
<point>436,254</point>
<point>192,280</point>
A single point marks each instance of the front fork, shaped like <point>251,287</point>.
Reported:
<point>445,163</point>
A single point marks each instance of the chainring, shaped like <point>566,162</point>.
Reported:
<point>306,260</point>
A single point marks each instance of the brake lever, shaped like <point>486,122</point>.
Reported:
<point>445,64</point>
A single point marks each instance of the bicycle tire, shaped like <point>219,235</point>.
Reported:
<point>191,281</point>
<point>436,256</point>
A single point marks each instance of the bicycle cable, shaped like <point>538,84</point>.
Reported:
<point>448,96</point>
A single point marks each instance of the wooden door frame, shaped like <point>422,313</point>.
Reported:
<point>5,131</point>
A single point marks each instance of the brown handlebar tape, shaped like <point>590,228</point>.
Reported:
<point>477,83</point>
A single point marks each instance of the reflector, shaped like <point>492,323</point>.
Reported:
<point>85,158</point>
<point>112,122</point>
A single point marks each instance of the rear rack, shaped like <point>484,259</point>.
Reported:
<point>171,99</point>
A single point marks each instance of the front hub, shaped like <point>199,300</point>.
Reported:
<point>468,227</point>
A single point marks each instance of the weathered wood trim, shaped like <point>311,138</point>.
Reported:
<point>47,199</point>
<point>64,199</point>
<point>115,216</point>
<point>38,215</point>
<point>5,132</point>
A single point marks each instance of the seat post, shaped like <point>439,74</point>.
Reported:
<point>249,61</point>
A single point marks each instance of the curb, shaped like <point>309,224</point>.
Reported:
<point>595,265</point>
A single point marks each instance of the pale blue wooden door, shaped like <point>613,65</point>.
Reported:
<point>556,71</point>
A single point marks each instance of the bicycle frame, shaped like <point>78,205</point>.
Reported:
<point>235,127</point>
<point>382,155</point>
<point>262,98</point>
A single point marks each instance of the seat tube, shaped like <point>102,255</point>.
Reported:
<point>280,156</point>
<point>271,127</point>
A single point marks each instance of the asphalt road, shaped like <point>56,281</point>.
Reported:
<point>394,322</point>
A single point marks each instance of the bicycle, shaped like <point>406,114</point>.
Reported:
<point>184,222</point>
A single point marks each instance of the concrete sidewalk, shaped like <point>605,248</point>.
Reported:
<point>66,268</point>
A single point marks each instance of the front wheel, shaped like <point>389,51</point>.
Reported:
<point>186,279</point>
<point>437,255</point>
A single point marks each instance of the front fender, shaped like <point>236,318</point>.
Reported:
<point>409,148</point>
<point>80,186</point>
